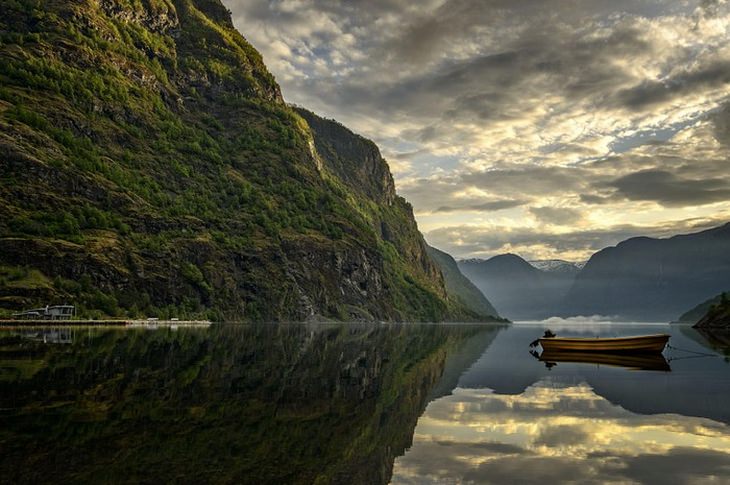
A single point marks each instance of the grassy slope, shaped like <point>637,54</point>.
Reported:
<point>150,167</point>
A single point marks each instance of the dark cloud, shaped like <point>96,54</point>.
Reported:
<point>557,215</point>
<point>533,180</point>
<point>668,189</point>
<point>484,207</point>
<point>721,124</point>
<point>652,92</point>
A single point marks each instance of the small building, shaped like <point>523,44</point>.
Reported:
<point>53,312</point>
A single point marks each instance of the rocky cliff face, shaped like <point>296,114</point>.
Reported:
<point>149,166</point>
<point>357,163</point>
<point>354,159</point>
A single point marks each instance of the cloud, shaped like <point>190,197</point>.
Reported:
<point>668,189</point>
<point>532,180</point>
<point>490,206</point>
<point>542,243</point>
<point>650,92</point>
<point>557,215</point>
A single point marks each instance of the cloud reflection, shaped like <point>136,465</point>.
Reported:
<point>552,433</point>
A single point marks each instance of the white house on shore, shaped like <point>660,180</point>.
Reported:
<point>54,312</point>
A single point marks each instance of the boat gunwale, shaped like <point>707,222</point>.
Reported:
<point>604,339</point>
<point>635,344</point>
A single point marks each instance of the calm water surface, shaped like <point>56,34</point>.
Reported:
<point>358,404</point>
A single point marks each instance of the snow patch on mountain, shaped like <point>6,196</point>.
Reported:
<point>557,265</point>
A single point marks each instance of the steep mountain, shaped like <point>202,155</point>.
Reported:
<point>149,166</point>
<point>519,290</point>
<point>693,316</point>
<point>653,279</point>
<point>459,287</point>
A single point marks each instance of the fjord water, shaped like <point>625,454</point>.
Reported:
<point>513,419</point>
<point>355,403</point>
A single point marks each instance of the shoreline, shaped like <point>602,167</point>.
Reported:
<point>103,323</point>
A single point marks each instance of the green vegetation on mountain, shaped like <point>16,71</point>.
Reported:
<point>459,287</point>
<point>718,314</point>
<point>149,166</point>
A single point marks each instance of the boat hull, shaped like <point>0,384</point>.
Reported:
<point>638,344</point>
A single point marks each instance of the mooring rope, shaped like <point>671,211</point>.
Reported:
<point>696,354</point>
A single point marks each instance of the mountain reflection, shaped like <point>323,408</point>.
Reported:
<point>243,404</point>
<point>554,432</point>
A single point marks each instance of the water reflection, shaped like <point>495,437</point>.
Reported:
<point>698,385</point>
<point>655,362</point>
<point>228,404</point>
<point>338,404</point>
<point>554,432</point>
<point>717,339</point>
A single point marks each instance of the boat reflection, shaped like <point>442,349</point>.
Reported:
<point>654,362</point>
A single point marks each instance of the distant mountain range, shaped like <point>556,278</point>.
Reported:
<point>653,279</point>
<point>643,279</point>
<point>518,289</point>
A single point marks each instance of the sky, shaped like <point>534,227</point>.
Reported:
<point>545,128</point>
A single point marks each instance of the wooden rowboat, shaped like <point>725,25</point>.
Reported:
<point>637,344</point>
<point>638,361</point>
